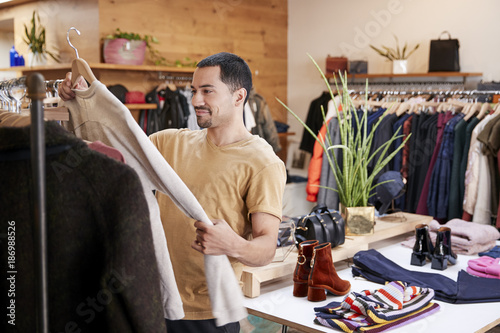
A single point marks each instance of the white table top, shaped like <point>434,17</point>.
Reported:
<point>276,302</point>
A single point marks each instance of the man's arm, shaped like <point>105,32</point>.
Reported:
<point>221,239</point>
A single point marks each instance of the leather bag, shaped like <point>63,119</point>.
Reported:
<point>444,55</point>
<point>335,65</point>
<point>321,224</point>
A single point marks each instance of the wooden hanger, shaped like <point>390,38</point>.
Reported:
<point>79,67</point>
<point>485,109</point>
<point>404,107</point>
<point>494,110</point>
<point>171,86</point>
<point>471,110</point>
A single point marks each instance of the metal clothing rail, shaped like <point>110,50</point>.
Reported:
<point>175,78</point>
<point>13,93</point>
<point>414,89</point>
<point>36,92</point>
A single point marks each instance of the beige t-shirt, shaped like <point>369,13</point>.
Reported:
<point>230,182</point>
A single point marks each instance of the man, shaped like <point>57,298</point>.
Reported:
<point>236,177</point>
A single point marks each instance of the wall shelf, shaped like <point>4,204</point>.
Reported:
<point>434,77</point>
<point>103,66</point>
<point>142,106</point>
<point>409,75</point>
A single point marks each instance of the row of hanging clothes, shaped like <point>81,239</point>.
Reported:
<point>175,110</point>
<point>450,163</point>
<point>173,106</point>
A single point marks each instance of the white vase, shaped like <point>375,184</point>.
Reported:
<point>399,66</point>
<point>36,59</point>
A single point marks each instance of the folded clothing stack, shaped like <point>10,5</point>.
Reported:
<point>484,266</point>
<point>466,237</point>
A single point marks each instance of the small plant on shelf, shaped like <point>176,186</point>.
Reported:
<point>395,53</point>
<point>186,62</point>
<point>35,39</point>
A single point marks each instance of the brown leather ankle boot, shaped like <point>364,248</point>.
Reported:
<point>324,276</point>
<point>303,268</point>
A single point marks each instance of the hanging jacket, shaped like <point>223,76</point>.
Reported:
<point>102,271</point>
<point>314,120</point>
<point>264,123</point>
<point>173,113</point>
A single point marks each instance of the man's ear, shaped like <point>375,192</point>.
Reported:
<point>240,96</point>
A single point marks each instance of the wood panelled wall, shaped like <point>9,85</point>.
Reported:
<point>256,30</point>
<point>58,16</point>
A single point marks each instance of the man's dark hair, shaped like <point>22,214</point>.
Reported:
<point>234,71</point>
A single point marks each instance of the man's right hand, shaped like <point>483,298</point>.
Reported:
<point>65,90</point>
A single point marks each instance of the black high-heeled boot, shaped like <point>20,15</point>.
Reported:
<point>423,248</point>
<point>442,251</point>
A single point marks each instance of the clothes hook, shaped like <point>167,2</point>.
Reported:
<point>67,38</point>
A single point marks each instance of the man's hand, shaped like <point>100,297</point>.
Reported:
<point>65,90</point>
<point>215,239</point>
<point>220,238</point>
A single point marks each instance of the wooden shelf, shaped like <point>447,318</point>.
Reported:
<point>286,133</point>
<point>103,66</point>
<point>142,106</point>
<point>386,227</point>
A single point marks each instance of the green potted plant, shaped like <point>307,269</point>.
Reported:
<point>398,56</point>
<point>129,48</point>
<point>35,39</point>
<point>355,184</point>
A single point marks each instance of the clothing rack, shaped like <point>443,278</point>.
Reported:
<point>401,93</point>
<point>36,91</point>
<point>14,98</point>
<point>175,79</point>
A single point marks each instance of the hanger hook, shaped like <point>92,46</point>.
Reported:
<point>67,38</point>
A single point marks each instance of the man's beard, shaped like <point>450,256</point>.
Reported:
<point>204,123</point>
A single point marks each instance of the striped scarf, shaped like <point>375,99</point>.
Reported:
<point>391,306</point>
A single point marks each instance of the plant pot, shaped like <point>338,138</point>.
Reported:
<point>36,59</point>
<point>123,51</point>
<point>399,66</point>
<point>358,220</point>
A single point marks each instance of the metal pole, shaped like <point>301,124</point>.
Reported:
<point>36,92</point>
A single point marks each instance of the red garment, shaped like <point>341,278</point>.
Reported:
<point>314,171</point>
<point>406,148</point>
<point>466,216</point>
<point>107,150</point>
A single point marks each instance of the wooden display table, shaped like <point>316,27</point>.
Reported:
<point>386,227</point>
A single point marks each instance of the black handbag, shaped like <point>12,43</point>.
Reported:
<point>323,225</point>
<point>443,55</point>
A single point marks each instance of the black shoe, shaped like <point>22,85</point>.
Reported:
<point>423,249</point>
<point>442,251</point>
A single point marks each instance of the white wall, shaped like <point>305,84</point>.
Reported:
<point>335,27</point>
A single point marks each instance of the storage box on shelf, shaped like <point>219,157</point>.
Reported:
<point>386,227</point>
